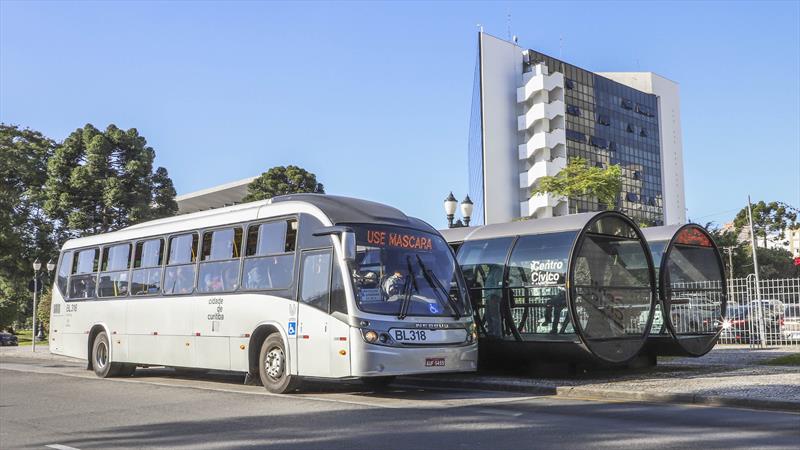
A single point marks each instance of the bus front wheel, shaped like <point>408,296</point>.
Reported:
<point>101,359</point>
<point>273,366</point>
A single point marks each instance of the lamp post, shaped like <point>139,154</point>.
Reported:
<point>466,210</point>
<point>450,204</point>
<point>450,209</point>
<point>37,266</point>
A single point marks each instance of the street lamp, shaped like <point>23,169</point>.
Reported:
<point>466,210</point>
<point>37,266</point>
<point>450,204</point>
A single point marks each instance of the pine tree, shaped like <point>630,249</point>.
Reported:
<point>281,181</point>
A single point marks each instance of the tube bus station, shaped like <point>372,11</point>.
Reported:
<point>692,290</point>
<point>576,288</point>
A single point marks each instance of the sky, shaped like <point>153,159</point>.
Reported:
<point>374,98</point>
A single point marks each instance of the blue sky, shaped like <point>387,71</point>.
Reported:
<point>375,97</point>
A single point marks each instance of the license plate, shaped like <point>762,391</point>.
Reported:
<point>415,336</point>
<point>434,362</point>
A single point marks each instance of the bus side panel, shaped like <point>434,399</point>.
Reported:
<point>160,331</point>
<point>215,326</point>
<point>339,348</point>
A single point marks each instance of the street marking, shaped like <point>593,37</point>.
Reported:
<point>61,447</point>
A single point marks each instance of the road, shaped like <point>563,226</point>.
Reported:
<point>58,404</point>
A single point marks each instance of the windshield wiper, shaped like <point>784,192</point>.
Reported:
<point>406,292</point>
<point>438,287</point>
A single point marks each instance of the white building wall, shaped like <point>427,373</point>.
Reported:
<point>501,74</point>
<point>670,134</point>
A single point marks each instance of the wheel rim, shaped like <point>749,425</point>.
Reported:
<point>273,363</point>
<point>101,355</point>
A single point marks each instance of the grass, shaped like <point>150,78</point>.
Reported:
<point>24,337</point>
<point>792,359</point>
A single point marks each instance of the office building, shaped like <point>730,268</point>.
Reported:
<point>531,113</point>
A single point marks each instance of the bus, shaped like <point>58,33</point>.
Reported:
<point>296,287</point>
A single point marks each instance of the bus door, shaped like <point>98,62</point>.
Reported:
<point>314,341</point>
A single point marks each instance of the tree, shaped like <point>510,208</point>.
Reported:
<point>100,181</point>
<point>282,180</point>
<point>772,263</point>
<point>26,233</point>
<point>768,218</point>
<point>578,180</point>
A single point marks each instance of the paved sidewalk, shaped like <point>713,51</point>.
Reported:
<point>727,376</point>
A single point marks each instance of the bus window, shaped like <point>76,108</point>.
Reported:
<point>219,262</point>
<point>83,281</point>
<point>316,275</point>
<point>147,260</point>
<point>269,255</point>
<point>114,271</point>
<point>63,272</point>
<point>179,274</point>
<point>338,296</point>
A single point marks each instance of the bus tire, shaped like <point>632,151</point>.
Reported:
<point>378,382</point>
<point>101,357</point>
<point>272,366</point>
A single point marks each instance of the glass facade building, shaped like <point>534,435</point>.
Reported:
<point>531,114</point>
<point>610,123</point>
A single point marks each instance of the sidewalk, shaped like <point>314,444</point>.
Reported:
<point>727,376</point>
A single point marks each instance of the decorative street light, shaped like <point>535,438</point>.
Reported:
<point>37,266</point>
<point>450,204</point>
<point>466,210</point>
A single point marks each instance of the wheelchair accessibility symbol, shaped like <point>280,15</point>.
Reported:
<point>292,328</point>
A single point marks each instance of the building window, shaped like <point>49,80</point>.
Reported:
<point>629,128</point>
<point>576,136</point>
<point>627,104</point>
<point>598,142</point>
<point>637,175</point>
<point>631,197</point>
<point>643,133</point>
<point>612,146</point>
<point>603,119</point>
<point>573,110</point>
<point>643,110</point>
<point>569,84</point>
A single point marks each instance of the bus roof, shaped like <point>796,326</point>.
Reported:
<point>337,209</point>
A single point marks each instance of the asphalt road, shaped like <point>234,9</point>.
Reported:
<point>53,403</point>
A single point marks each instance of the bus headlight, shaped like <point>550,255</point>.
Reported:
<point>370,336</point>
<point>472,333</point>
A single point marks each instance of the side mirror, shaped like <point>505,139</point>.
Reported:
<point>349,246</point>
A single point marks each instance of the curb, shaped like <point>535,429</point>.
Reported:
<point>579,392</point>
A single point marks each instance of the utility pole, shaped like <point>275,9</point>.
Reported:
<point>755,268</point>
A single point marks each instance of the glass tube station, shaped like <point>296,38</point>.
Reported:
<point>575,288</point>
<point>692,289</point>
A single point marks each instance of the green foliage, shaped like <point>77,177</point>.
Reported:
<point>772,263</point>
<point>768,218</point>
<point>43,309</point>
<point>282,180</point>
<point>101,181</point>
<point>26,233</point>
<point>579,180</point>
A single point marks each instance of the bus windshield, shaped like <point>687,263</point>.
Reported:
<point>403,272</point>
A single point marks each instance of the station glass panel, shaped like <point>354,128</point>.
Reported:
<point>694,286</point>
<point>612,282</point>
<point>483,264</point>
<point>537,274</point>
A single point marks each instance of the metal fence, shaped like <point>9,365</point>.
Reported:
<point>767,316</point>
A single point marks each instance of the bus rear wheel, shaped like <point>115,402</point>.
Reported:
<point>101,359</point>
<point>273,366</point>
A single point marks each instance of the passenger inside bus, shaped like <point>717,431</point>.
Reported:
<point>179,280</point>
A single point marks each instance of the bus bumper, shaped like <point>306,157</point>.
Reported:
<point>377,360</point>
